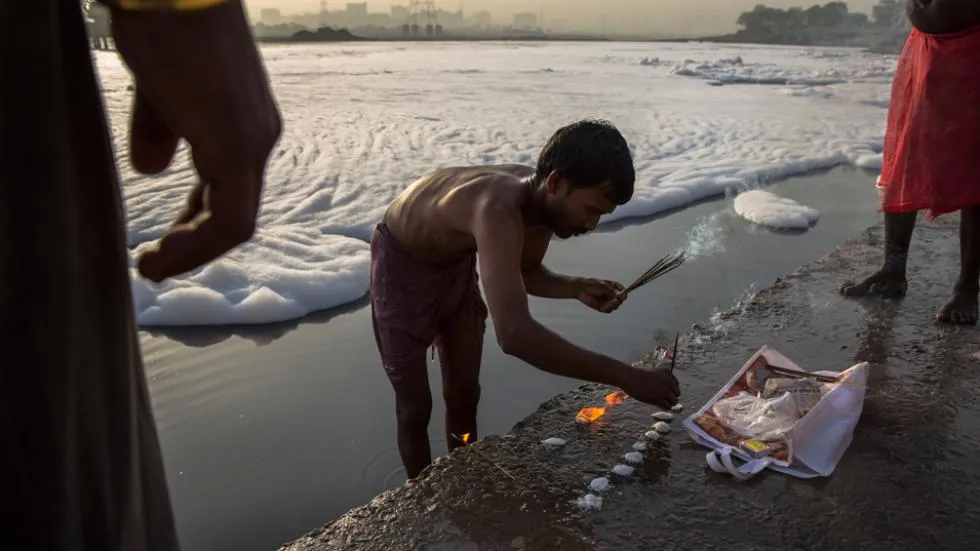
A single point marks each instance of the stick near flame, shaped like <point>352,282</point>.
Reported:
<point>465,440</point>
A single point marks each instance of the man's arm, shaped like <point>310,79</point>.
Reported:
<point>538,279</point>
<point>499,230</point>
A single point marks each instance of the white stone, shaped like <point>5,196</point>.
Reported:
<point>652,435</point>
<point>661,427</point>
<point>622,470</point>
<point>640,446</point>
<point>677,408</point>
<point>634,457</point>
<point>663,416</point>
<point>600,484</point>
<point>553,442</point>
<point>590,501</point>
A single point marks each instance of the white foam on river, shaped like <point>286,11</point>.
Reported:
<point>362,121</point>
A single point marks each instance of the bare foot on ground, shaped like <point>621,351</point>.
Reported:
<point>960,310</point>
<point>881,283</point>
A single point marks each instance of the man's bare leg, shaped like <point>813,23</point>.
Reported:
<point>460,353</point>
<point>962,307</point>
<point>404,358</point>
<point>413,408</point>
<point>889,281</point>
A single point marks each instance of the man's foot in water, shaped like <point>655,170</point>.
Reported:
<point>884,283</point>
<point>961,309</point>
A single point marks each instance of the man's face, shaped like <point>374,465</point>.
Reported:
<point>576,212</point>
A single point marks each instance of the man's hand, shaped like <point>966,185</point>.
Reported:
<point>658,387</point>
<point>600,294</point>
<point>199,77</point>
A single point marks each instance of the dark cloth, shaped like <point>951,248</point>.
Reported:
<point>413,301</point>
<point>80,461</point>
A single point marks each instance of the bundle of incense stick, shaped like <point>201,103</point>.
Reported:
<point>663,266</point>
<point>786,372</point>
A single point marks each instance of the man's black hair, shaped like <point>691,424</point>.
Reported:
<point>589,153</point>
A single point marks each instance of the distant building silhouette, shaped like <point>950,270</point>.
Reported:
<point>483,19</point>
<point>525,21</point>
<point>357,10</point>
<point>400,13</point>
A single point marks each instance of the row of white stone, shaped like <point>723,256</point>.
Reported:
<point>602,484</point>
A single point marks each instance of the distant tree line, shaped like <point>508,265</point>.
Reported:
<point>830,24</point>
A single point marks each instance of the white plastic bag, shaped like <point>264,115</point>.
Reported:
<point>762,418</point>
<point>814,444</point>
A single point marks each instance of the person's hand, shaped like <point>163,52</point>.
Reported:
<point>600,294</point>
<point>658,387</point>
<point>199,77</point>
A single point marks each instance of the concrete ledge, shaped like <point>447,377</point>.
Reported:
<point>908,481</point>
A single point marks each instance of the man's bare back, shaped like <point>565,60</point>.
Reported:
<point>431,218</point>
<point>424,278</point>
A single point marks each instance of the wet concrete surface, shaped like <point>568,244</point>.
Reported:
<point>909,479</point>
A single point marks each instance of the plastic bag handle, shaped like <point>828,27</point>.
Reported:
<point>725,464</point>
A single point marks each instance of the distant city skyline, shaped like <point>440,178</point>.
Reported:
<point>668,16</point>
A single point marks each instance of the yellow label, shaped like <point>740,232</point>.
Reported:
<point>755,445</point>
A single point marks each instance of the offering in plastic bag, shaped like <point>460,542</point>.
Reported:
<point>772,414</point>
<point>758,417</point>
<point>806,392</point>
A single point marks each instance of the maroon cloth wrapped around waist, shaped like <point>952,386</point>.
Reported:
<point>413,295</point>
<point>932,141</point>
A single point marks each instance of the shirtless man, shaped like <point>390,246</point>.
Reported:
<point>932,149</point>
<point>424,282</point>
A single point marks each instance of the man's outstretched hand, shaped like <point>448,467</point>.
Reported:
<point>658,387</point>
<point>601,294</point>
<point>199,77</point>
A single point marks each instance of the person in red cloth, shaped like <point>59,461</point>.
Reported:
<point>932,149</point>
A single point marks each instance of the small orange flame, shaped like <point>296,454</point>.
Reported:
<point>588,415</point>
<point>466,438</point>
<point>614,398</point>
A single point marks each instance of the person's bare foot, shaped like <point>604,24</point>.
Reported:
<point>883,283</point>
<point>961,309</point>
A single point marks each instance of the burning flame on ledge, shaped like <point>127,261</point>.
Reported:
<point>588,415</point>
<point>614,398</point>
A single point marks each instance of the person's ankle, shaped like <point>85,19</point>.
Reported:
<point>966,286</point>
<point>895,264</point>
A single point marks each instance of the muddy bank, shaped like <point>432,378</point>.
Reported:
<point>906,481</point>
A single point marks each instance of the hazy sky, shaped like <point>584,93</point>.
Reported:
<point>682,15</point>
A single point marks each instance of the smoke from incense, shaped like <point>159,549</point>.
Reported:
<point>706,238</point>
